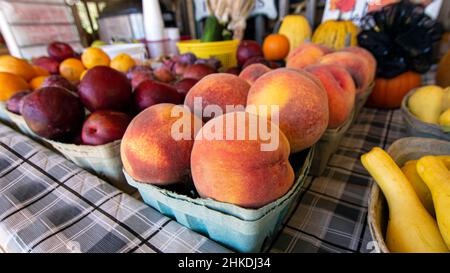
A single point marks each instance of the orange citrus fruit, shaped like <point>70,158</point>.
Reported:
<point>40,71</point>
<point>17,67</point>
<point>94,56</point>
<point>82,74</point>
<point>122,62</point>
<point>35,83</point>
<point>275,47</point>
<point>11,84</point>
<point>71,69</point>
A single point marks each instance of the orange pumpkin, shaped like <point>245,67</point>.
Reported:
<point>389,93</point>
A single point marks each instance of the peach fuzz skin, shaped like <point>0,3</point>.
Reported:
<point>340,89</point>
<point>356,65</point>
<point>237,171</point>
<point>149,152</point>
<point>305,55</point>
<point>372,62</point>
<point>252,72</point>
<point>220,89</point>
<point>302,101</point>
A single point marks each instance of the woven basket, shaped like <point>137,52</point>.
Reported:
<point>417,128</point>
<point>401,151</point>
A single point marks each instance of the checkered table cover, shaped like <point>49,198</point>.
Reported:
<point>48,204</point>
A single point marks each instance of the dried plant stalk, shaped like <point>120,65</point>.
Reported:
<point>237,10</point>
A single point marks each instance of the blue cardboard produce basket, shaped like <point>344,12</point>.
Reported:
<point>240,229</point>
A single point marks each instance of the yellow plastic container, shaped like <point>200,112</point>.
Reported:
<point>225,51</point>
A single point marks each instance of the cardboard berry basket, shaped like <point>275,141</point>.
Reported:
<point>4,117</point>
<point>102,160</point>
<point>328,144</point>
<point>361,100</point>
<point>240,229</point>
<point>401,151</point>
<point>330,140</point>
<point>417,128</point>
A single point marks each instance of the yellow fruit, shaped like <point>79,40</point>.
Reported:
<point>426,103</point>
<point>37,82</point>
<point>11,84</point>
<point>446,160</point>
<point>410,227</point>
<point>94,56</point>
<point>437,177</point>
<point>17,67</point>
<point>446,99</point>
<point>444,118</point>
<point>296,28</point>
<point>336,34</point>
<point>82,74</point>
<point>71,69</point>
<point>122,62</point>
<point>40,71</point>
<point>419,186</point>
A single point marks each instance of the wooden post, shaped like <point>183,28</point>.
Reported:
<point>81,31</point>
<point>283,9</point>
<point>191,18</point>
<point>260,29</point>
<point>311,11</point>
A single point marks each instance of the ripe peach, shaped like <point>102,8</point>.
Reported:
<point>220,89</point>
<point>149,151</point>
<point>306,54</point>
<point>341,91</point>
<point>236,170</point>
<point>252,72</point>
<point>356,65</point>
<point>302,102</point>
<point>367,56</point>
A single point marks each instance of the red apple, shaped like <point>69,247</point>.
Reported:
<point>184,85</point>
<point>59,81</point>
<point>102,127</point>
<point>150,92</point>
<point>104,88</point>
<point>163,74</point>
<point>14,103</point>
<point>47,63</point>
<point>257,60</point>
<point>233,70</point>
<point>138,74</point>
<point>53,113</point>
<point>246,50</point>
<point>179,68</point>
<point>60,51</point>
<point>198,71</point>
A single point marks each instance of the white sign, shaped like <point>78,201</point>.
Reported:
<point>361,6</point>
<point>262,7</point>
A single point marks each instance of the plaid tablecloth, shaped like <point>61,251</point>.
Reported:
<point>331,214</point>
<point>47,204</point>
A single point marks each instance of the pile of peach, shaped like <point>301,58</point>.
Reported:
<point>315,92</point>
